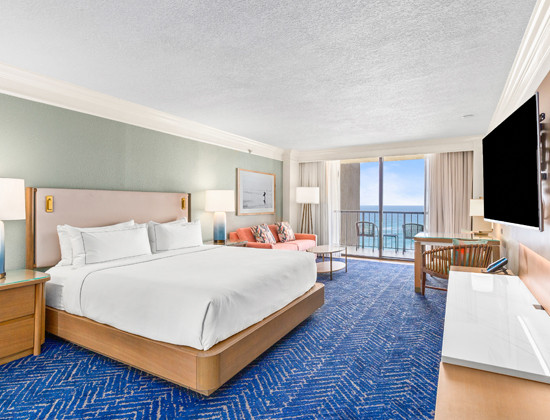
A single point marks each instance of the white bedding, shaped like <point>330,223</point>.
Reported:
<point>194,296</point>
<point>54,293</point>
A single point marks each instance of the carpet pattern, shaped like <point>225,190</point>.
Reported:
<point>372,351</point>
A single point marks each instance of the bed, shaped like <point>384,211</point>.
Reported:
<point>172,314</point>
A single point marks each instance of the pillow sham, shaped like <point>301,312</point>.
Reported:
<point>285,232</point>
<point>152,235</point>
<point>114,244</point>
<point>77,245</point>
<point>262,234</point>
<point>65,239</point>
<point>169,236</point>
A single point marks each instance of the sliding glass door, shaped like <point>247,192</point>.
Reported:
<point>403,215</point>
<point>382,202</point>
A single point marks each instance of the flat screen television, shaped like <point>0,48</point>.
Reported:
<point>511,169</point>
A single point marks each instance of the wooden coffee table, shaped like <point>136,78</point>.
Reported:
<point>330,266</point>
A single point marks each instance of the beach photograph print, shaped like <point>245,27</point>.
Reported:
<point>256,191</point>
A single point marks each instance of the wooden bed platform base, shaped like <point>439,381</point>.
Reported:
<point>201,371</point>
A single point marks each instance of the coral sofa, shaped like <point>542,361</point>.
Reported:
<point>303,240</point>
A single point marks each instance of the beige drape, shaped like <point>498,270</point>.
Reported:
<point>449,183</point>
<point>326,176</point>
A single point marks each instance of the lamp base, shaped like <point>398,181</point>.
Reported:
<point>219,227</point>
<point>482,234</point>
<point>2,252</point>
<point>307,219</point>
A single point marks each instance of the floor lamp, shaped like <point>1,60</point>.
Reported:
<point>307,196</point>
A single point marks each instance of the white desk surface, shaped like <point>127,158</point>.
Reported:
<point>491,324</point>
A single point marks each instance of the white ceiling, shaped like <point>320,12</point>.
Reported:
<point>295,74</point>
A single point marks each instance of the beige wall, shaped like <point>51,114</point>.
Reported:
<point>291,180</point>
<point>511,236</point>
<point>350,183</point>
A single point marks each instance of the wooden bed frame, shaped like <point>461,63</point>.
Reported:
<point>200,371</point>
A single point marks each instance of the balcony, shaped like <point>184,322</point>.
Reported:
<point>396,241</point>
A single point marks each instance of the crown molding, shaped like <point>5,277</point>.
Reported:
<point>531,65</point>
<point>450,144</point>
<point>37,88</point>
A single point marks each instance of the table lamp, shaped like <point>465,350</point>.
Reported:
<point>307,196</point>
<point>219,201</point>
<point>12,207</point>
<point>479,225</point>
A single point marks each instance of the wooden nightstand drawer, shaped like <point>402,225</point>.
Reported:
<point>16,336</point>
<point>21,314</point>
<point>15,303</point>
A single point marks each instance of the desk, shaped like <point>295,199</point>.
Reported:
<point>438,239</point>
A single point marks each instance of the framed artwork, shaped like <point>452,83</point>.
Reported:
<point>255,192</point>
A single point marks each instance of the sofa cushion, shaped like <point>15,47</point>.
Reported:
<point>263,234</point>
<point>285,232</point>
<point>234,237</point>
<point>303,244</point>
<point>259,245</point>
<point>273,230</point>
<point>291,246</point>
<point>245,234</point>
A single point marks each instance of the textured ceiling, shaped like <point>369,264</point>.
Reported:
<point>296,74</point>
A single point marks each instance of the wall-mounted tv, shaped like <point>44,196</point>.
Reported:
<point>511,169</point>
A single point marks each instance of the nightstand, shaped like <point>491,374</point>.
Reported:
<point>227,243</point>
<point>21,314</point>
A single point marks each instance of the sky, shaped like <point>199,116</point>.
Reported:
<point>403,183</point>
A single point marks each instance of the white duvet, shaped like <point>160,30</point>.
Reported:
<point>194,297</point>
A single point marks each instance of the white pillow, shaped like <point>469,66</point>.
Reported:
<point>65,239</point>
<point>77,245</point>
<point>152,237</point>
<point>114,245</point>
<point>176,236</point>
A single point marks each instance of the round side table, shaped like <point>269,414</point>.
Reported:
<point>330,266</point>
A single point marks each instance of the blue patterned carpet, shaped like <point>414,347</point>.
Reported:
<point>372,351</point>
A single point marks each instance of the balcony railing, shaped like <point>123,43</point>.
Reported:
<point>396,241</point>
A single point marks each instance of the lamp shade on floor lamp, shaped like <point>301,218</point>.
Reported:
<point>219,202</point>
<point>12,207</point>
<point>307,196</point>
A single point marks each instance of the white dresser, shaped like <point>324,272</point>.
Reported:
<point>492,324</point>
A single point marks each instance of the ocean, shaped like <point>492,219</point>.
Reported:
<point>392,225</point>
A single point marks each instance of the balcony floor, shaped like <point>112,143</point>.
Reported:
<point>387,253</point>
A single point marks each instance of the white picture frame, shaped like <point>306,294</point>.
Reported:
<point>255,192</point>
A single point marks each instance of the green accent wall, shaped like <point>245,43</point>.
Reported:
<point>57,148</point>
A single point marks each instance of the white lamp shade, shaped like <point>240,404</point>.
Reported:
<point>307,195</point>
<point>220,200</point>
<point>476,207</point>
<point>12,199</point>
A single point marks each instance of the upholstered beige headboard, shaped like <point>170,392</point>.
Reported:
<point>49,207</point>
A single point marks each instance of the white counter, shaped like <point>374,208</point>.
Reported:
<point>491,324</point>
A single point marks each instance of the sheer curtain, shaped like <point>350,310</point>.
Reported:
<point>449,183</point>
<point>326,176</point>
